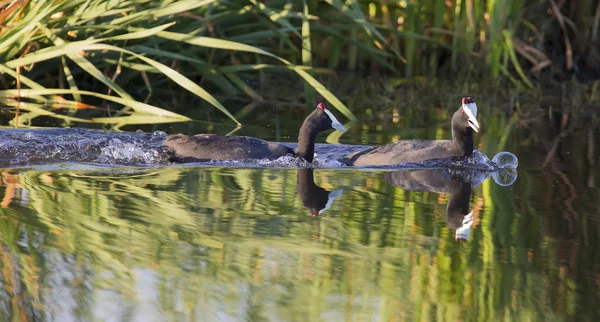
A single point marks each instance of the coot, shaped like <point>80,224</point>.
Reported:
<point>464,122</point>
<point>205,147</point>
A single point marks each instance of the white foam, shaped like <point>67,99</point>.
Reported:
<point>34,147</point>
<point>122,152</point>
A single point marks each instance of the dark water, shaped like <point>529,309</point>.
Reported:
<point>97,240</point>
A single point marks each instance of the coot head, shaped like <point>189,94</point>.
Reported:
<point>468,114</point>
<point>318,121</point>
<point>324,119</point>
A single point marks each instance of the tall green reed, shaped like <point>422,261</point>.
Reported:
<point>213,49</point>
<point>105,42</point>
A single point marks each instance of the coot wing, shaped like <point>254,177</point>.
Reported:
<point>216,147</point>
<point>401,151</point>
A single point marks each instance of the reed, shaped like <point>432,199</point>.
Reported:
<point>75,49</point>
<point>212,49</point>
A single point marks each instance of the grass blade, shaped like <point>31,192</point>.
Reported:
<point>358,17</point>
<point>307,55</point>
<point>24,80</point>
<point>135,105</point>
<point>244,87</point>
<point>230,45</point>
<point>178,78</point>
<point>276,17</point>
<point>70,79</point>
<point>86,65</point>
<point>161,11</point>
<point>20,36</point>
<point>513,58</point>
<point>62,50</point>
<point>326,94</point>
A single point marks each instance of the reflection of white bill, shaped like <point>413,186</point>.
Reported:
<point>462,233</point>
<point>332,195</point>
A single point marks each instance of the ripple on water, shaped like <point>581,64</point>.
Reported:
<point>287,161</point>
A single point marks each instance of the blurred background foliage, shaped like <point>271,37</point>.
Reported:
<point>136,62</point>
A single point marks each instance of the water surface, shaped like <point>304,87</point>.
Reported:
<point>156,242</point>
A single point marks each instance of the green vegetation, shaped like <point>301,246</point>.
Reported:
<point>79,43</point>
<point>101,61</point>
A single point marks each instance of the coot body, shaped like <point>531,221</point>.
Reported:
<point>464,122</point>
<point>204,147</point>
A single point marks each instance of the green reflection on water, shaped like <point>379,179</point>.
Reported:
<point>185,243</point>
<point>206,243</point>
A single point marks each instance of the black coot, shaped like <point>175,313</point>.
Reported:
<point>205,147</point>
<point>464,122</point>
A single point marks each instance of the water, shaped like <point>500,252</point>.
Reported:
<point>47,146</point>
<point>119,234</point>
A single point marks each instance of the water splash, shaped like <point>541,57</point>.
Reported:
<point>45,146</point>
<point>121,152</point>
<point>478,167</point>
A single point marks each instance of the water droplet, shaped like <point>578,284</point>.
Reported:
<point>506,160</point>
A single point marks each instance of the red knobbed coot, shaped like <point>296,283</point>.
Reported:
<point>205,147</point>
<point>464,122</point>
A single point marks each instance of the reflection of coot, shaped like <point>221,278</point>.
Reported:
<point>458,216</point>
<point>313,197</point>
